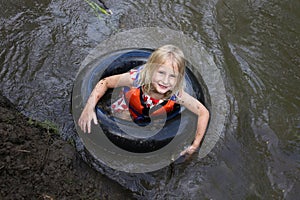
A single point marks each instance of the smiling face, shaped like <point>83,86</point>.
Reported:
<point>163,73</point>
<point>164,78</point>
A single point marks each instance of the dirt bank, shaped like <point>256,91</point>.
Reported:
<point>36,164</point>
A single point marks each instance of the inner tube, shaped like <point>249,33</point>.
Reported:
<point>123,133</point>
<point>98,151</point>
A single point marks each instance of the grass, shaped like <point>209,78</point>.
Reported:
<point>47,125</point>
<point>98,9</point>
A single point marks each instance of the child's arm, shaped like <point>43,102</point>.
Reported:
<point>88,114</point>
<point>203,116</point>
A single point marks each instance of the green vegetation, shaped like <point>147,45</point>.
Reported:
<point>98,9</point>
<point>47,125</point>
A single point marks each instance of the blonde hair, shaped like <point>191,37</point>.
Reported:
<point>159,57</point>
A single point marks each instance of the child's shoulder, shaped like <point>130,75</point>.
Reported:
<point>134,75</point>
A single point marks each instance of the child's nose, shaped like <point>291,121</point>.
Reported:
<point>165,80</point>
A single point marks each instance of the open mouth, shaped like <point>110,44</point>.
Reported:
<point>163,86</point>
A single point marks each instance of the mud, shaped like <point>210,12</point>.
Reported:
<point>35,163</point>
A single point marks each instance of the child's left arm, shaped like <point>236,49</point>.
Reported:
<point>203,117</point>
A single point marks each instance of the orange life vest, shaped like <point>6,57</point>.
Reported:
<point>139,111</point>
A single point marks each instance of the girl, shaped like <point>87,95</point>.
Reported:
<point>160,82</point>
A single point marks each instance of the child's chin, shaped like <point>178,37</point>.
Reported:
<point>162,91</point>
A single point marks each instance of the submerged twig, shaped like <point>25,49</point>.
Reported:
<point>24,151</point>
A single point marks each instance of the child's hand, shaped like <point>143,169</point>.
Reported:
<point>85,120</point>
<point>189,151</point>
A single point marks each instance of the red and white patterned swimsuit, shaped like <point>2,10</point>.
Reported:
<point>120,105</point>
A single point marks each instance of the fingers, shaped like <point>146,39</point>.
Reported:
<point>88,125</point>
<point>183,153</point>
<point>85,123</point>
<point>82,125</point>
<point>85,126</point>
<point>188,151</point>
<point>95,119</point>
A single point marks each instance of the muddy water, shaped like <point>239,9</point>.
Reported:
<point>255,44</point>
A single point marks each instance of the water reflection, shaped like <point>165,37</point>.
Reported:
<point>254,43</point>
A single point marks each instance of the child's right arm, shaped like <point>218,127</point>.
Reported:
<point>88,114</point>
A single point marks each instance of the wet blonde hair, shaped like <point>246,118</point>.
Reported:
<point>158,58</point>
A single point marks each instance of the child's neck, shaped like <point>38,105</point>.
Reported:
<point>156,95</point>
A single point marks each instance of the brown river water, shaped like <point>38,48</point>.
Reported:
<point>255,45</point>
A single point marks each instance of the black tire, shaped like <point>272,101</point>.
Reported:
<point>119,62</point>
